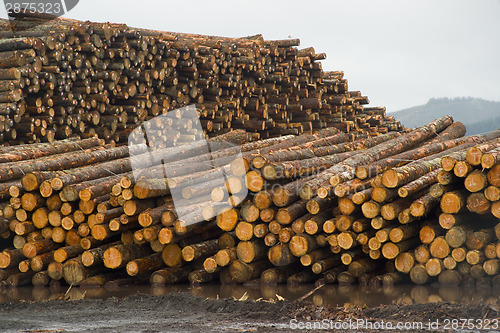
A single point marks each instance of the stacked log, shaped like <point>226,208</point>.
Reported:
<point>383,210</point>
<point>61,78</point>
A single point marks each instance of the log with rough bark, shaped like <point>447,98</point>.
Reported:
<point>386,149</point>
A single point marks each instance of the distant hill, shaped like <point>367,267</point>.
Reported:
<point>477,114</point>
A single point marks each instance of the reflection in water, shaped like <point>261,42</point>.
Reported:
<point>333,295</point>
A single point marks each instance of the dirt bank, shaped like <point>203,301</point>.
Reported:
<point>183,312</point>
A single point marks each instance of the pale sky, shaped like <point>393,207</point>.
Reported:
<point>398,53</point>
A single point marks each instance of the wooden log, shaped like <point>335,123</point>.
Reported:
<point>242,272</point>
<point>419,275</point>
<point>144,265</point>
<point>280,255</point>
<point>477,203</point>
<point>453,202</point>
<point>119,255</point>
<point>170,275</point>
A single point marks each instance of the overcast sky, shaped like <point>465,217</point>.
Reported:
<point>399,53</point>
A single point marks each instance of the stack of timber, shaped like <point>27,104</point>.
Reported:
<point>61,78</point>
<point>74,199</point>
<point>330,207</point>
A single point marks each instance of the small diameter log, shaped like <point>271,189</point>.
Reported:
<point>172,255</point>
<point>391,250</point>
<point>347,206</point>
<point>453,202</point>
<point>225,256</point>
<point>242,272</point>
<point>404,232</point>
<point>40,262</point>
<point>419,184</point>
<point>301,244</point>
<point>429,232</point>
<point>55,270</point>
<point>494,176</point>
<point>474,257</point>
<point>30,250</point>
<point>492,193</point>
<point>404,262</point>
<point>263,199</point>
<point>310,258</point>
<point>476,181</point>
<point>362,196</point>
<point>490,159</point>
<point>495,209</point>
<point>118,256</point>
<point>492,266</point>
<point>276,275</point>
<point>422,254</point>
<point>424,205</point>
<point>203,249</point>
<point>479,239</point>
<point>434,266</point>
<point>227,219</point>
<point>306,276</point>
<point>64,253</point>
<point>251,251</point>
<point>347,240</point>
<point>11,258</point>
<point>144,265</point>
<point>439,248</point>
<point>170,275</point>
<point>326,264</point>
<point>456,236</point>
<point>477,203</point>
<point>289,214</point>
<point>371,209</point>
<point>419,275</point>
<point>363,266</point>
<point>200,276</point>
<point>280,255</point>
<point>210,265</point>
<point>40,279</point>
<point>249,212</point>
<point>74,272</point>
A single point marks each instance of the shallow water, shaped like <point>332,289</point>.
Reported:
<point>333,295</point>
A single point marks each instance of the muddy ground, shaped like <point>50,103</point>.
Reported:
<point>183,312</point>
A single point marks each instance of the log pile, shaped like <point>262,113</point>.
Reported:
<point>327,208</point>
<point>61,78</point>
